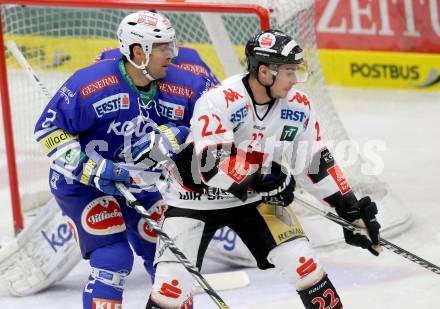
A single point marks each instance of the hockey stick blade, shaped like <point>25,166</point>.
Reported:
<point>137,206</point>
<point>385,243</point>
<point>226,280</point>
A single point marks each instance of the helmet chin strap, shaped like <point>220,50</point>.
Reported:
<point>269,92</point>
<point>143,67</point>
<point>268,87</point>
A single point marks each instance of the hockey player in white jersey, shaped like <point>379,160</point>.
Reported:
<point>256,134</point>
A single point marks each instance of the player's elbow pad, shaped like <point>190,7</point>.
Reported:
<point>322,168</point>
<point>76,165</point>
<point>54,140</point>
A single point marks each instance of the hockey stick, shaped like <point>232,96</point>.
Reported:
<point>385,243</point>
<point>132,201</point>
<point>13,48</point>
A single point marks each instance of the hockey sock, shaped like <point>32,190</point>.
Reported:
<point>188,304</point>
<point>321,295</point>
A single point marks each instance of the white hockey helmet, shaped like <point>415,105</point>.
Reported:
<point>145,28</point>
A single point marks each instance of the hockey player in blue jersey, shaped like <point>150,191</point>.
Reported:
<point>175,110</point>
<point>102,120</point>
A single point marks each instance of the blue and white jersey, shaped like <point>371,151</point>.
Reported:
<point>99,109</point>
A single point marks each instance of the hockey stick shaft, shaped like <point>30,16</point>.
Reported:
<point>13,48</point>
<point>133,202</point>
<point>385,243</point>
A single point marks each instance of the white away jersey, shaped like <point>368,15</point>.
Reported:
<point>288,134</point>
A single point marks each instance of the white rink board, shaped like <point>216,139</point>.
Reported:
<point>408,123</point>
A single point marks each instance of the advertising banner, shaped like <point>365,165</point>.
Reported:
<point>386,25</point>
<point>381,69</point>
<point>383,43</point>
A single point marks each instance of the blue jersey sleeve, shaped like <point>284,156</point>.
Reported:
<point>67,110</point>
<point>64,118</point>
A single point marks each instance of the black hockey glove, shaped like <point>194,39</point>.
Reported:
<point>281,196</point>
<point>276,188</point>
<point>362,214</point>
<point>186,172</point>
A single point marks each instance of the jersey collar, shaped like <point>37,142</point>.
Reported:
<point>146,96</point>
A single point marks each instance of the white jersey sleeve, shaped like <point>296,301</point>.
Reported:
<point>214,142</point>
<point>315,169</point>
<point>210,124</point>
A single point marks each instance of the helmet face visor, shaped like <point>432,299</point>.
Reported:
<point>163,49</point>
<point>292,73</point>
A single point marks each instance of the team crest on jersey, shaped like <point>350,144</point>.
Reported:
<point>67,94</point>
<point>171,110</point>
<point>111,104</point>
<point>156,211</point>
<point>237,170</point>
<point>103,216</point>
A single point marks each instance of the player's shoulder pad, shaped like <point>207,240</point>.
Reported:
<point>296,96</point>
<point>232,83</point>
<point>94,78</point>
<point>109,54</point>
<point>181,77</point>
<point>186,54</point>
<point>230,92</point>
<point>176,73</point>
